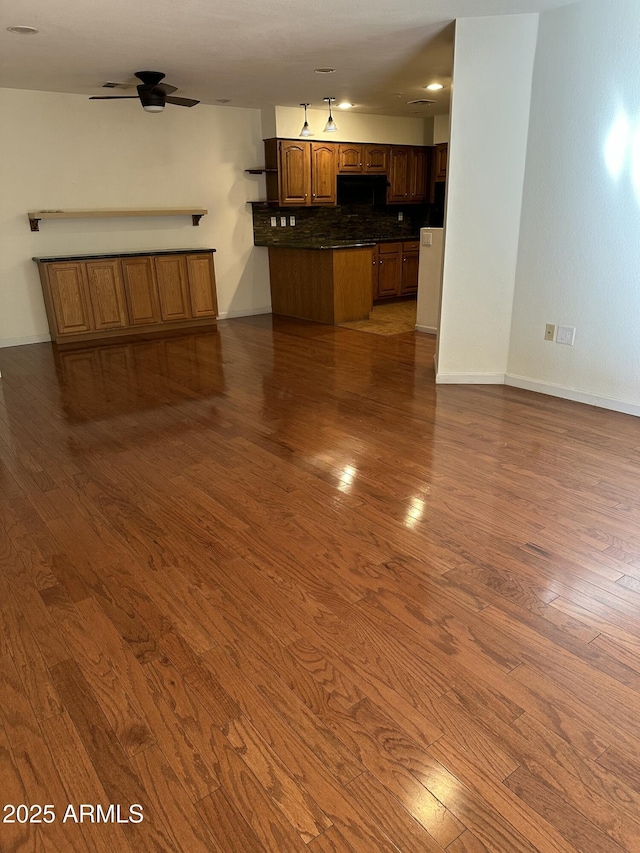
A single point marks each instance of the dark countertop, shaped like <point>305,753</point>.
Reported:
<point>99,256</point>
<point>327,243</point>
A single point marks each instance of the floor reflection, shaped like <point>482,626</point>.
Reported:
<point>115,379</point>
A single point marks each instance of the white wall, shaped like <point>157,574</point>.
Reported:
<point>484,193</point>
<point>65,151</point>
<point>441,128</point>
<point>579,257</point>
<point>352,127</point>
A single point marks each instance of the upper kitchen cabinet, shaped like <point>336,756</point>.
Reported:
<point>440,167</point>
<point>349,159</point>
<point>323,173</point>
<point>300,173</point>
<point>408,171</point>
<point>354,159</point>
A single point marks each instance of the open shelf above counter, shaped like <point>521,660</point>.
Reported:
<point>196,214</point>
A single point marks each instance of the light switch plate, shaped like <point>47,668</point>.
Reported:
<point>427,239</point>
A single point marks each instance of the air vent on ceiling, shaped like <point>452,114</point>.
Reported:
<point>421,101</point>
<point>110,85</point>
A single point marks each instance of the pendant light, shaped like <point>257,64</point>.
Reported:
<point>330,126</point>
<point>306,130</point>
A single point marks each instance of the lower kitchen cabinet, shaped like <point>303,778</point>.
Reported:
<point>325,285</point>
<point>389,270</point>
<point>395,269</point>
<point>409,276</point>
<point>91,299</point>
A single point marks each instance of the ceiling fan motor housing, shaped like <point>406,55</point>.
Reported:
<point>151,98</point>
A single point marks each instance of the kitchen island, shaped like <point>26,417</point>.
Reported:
<point>326,281</point>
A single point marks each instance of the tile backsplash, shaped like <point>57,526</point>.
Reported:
<point>336,223</point>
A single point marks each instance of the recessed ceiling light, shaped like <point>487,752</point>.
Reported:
<point>324,70</point>
<point>433,87</point>
<point>23,31</point>
<point>345,105</point>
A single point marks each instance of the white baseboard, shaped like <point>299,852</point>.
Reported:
<point>250,312</point>
<point>30,339</point>
<point>469,378</point>
<point>603,402</point>
<point>429,330</point>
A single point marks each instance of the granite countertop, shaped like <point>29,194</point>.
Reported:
<point>97,256</point>
<point>328,243</point>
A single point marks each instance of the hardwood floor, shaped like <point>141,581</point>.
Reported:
<point>275,587</point>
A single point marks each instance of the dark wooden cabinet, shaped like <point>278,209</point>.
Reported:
<point>301,173</point>
<point>389,270</point>
<point>409,274</point>
<point>294,172</point>
<point>323,173</point>
<point>395,269</point>
<point>350,159</point>
<point>116,295</point>
<point>355,159</point>
<point>441,156</point>
<point>376,159</point>
<point>408,174</point>
<point>398,190</point>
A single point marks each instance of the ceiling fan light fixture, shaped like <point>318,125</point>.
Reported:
<point>153,108</point>
<point>330,126</point>
<point>306,130</point>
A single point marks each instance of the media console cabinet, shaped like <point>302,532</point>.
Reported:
<point>102,296</point>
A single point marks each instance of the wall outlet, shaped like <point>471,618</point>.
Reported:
<point>566,335</point>
<point>292,220</point>
<point>283,221</point>
<point>400,216</point>
<point>549,331</point>
<point>274,221</point>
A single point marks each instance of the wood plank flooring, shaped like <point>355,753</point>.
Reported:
<point>274,586</point>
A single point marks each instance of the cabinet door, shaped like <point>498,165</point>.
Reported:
<point>171,275</point>
<point>389,274</point>
<point>409,282</point>
<point>141,291</point>
<point>418,163</point>
<point>350,159</point>
<point>442,151</point>
<point>202,286</point>
<point>323,173</point>
<point>295,172</point>
<point>106,292</point>
<point>398,190</point>
<point>376,159</point>
<point>70,297</point>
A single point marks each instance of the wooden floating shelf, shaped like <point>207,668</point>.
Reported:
<point>196,214</point>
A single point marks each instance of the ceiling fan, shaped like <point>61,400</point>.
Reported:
<point>152,93</point>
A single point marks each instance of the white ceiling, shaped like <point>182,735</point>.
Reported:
<point>252,52</point>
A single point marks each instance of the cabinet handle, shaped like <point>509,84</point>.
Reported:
<point>380,261</point>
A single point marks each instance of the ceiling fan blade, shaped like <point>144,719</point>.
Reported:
<point>165,88</point>
<point>112,97</point>
<point>182,102</point>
